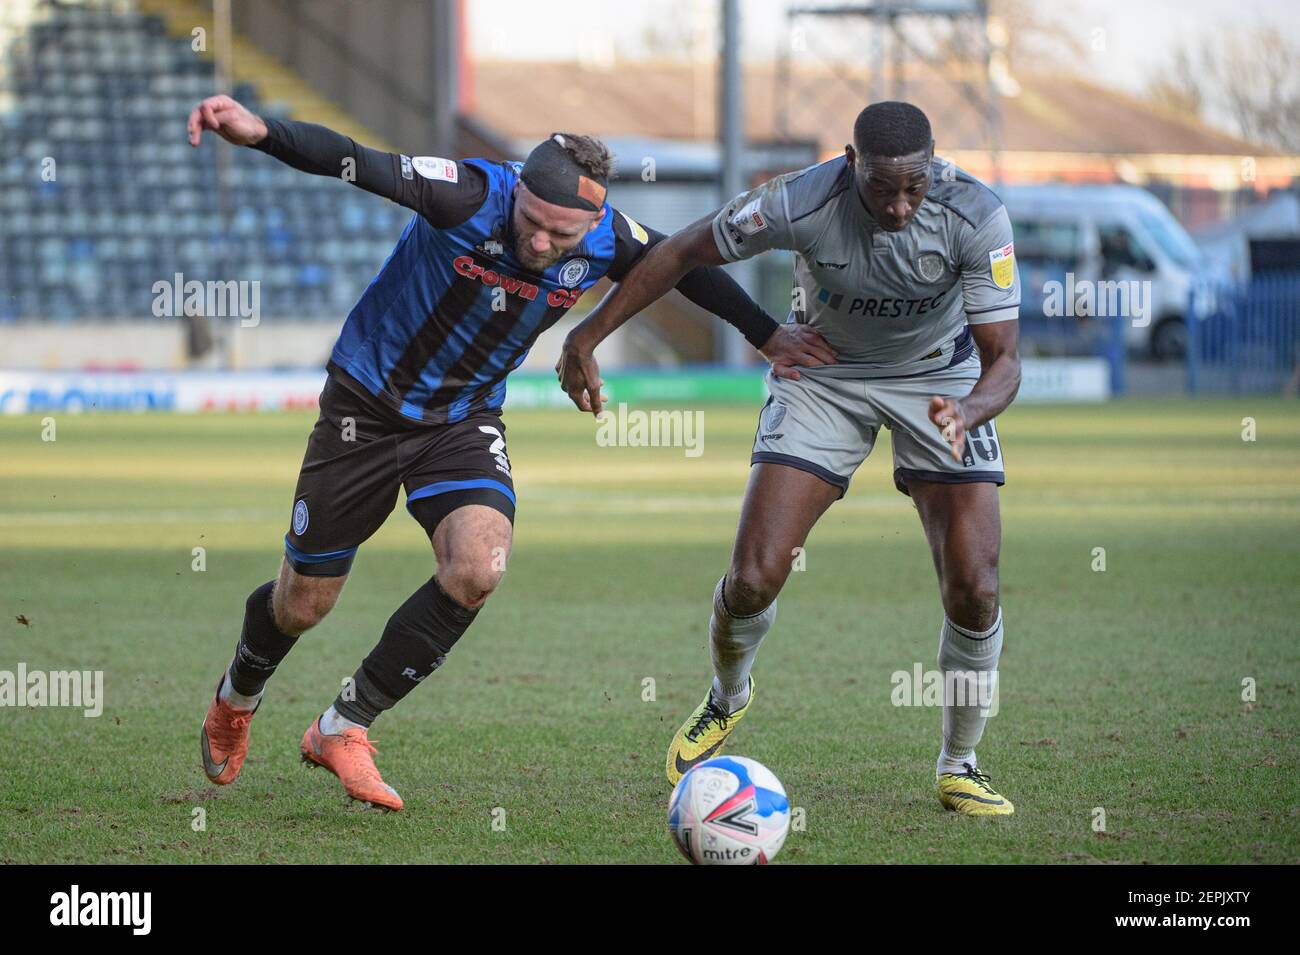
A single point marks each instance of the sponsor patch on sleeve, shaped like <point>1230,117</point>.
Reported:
<point>750,220</point>
<point>1002,262</point>
<point>433,167</point>
<point>638,233</point>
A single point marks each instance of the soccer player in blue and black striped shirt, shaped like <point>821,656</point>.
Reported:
<point>495,254</point>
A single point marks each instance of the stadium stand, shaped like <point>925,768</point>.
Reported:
<point>101,196</point>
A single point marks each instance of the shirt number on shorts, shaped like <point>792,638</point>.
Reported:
<point>497,448</point>
<point>984,441</point>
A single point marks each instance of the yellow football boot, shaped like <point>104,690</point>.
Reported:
<point>970,793</point>
<point>703,734</point>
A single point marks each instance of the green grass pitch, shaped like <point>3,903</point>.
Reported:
<point>1122,689</point>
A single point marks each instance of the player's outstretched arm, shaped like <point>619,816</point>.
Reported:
<point>784,346</point>
<point>304,146</point>
<point>658,270</point>
<point>997,386</point>
<point>666,265</point>
<point>444,192</point>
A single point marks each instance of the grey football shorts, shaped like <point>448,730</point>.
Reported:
<point>828,425</point>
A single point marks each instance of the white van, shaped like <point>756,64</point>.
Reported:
<point>1073,236</point>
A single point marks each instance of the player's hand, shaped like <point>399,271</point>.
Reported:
<point>229,120</point>
<point>795,344</point>
<point>580,377</point>
<point>948,417</point>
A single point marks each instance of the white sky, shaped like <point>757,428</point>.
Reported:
<point>1138,34</point>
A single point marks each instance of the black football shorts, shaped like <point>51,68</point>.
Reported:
<point>358,456</point>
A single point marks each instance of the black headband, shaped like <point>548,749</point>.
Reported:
<point>552,175</point>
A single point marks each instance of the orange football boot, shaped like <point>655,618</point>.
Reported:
<point>223,740</point>
<point>348,756</point>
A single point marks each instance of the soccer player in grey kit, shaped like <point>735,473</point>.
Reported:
<point>907,268</point>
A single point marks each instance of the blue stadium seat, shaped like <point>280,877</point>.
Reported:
<point>105,92</point>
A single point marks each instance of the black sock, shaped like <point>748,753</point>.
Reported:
<point>416,641</point>
<point>262,645</point>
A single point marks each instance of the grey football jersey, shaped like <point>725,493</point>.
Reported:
<point>887,302</point>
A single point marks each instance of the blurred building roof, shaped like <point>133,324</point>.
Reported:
<point>677,101</point>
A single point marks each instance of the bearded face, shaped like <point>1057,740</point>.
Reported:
<point>545,232</point>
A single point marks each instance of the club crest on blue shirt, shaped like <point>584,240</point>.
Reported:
<point>574,271</point>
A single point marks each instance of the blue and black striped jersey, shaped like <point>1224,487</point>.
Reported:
<point>452,311</point>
